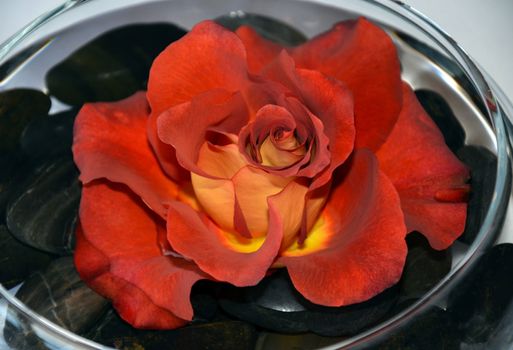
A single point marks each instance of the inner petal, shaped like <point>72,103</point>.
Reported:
<point>273,156</point>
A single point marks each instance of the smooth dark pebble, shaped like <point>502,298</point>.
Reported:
<point>442,115</point>
<point>58,294</point>
<point>270,28</point>
<point>50,136</point>
<point>432,329</point>
<point>17,108</point>
<point>112,66</point>
<point>17,260</point>
<point>113,331</point>
<point>275,305</point>
<point>483,169</point>
<point>43,210</point>
<point>485,297</point>
<point>424,267</point>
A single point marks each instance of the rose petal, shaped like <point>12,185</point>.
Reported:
<point>259,50</point>
<point>132,304</point>
<point>422,168</point>
<point>216,195</point>
<point>208,57</point>
<point>363,57</point>
<point>165,153</point>
<point>125,235</point>
<point>357,247</point>
<point>240,261</point>
<point>252,188</point>
<point>216,110</point>
<point>110,142</point>
<point>327,99</point>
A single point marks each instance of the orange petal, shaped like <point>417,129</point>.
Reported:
<point>127,265</point>
<point>187,126</point>
<point>363,57</point>
<point>217,253</point>
<point>357,248</point>
<point>424,171</point>
<point>110,142</point>
<point>208,57</point>
<point>252,188</point>
<point>327,99</point>
<point>165,153</point>
<point>259,50</point>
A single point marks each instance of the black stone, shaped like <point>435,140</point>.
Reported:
<point>113,331</point>
<point>112,66</point>
<point>431,330</point>
<point>274,304</point>
<point>485,297</point>
<point>50,136</point>
<point>58,294</point>
<point>483,169</point>
<point>424,267</point>
<point>305,341</point>
<point>204,302</point>
<point>442,115</point>
<point>43,210</point>
<point>17,108</point>
<point>270,28</point>
<point>18,260</point>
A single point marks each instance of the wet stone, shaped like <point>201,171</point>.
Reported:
<point>43,210</point>
<point>270,28</point>
<point>17,108</point>
<point>485,297</point>
<point>18,260</point>
<point>113,331</point>
<point>306,341</point>
<point>112,66</point>
<point>204,302</point>
<point>274,304</point>
<point>50,136</point>
<point>424,267</point>
<point>442,115</point>
<point>483,169</point>
<point>430,330</point>
<point>58,294</point>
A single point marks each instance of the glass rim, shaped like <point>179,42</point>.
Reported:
<point>489,93</point>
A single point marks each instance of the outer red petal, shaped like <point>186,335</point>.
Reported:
<point>363,57</point>
<point>200,240</point>
<point>357,249</point>
<point>259,50</point>
<point>118,255</point>
<point>208,57</point>
<point>165,153</point>
<point>423,169</point>
<point>110,142</point>
<point>186,126</point>
<point>133,305</point>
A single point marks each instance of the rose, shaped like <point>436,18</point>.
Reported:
<point>244,156</point>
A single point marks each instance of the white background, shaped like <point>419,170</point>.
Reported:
<point>483,28</point>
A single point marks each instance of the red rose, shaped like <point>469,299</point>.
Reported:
<point>244,156</point>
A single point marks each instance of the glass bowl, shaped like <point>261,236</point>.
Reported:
<point>473,300</point>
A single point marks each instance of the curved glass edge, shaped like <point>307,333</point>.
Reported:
<point>55,332</point>
<point>7,46</point>
<point>490,225</point>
